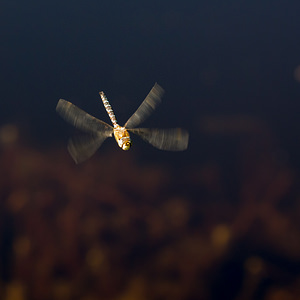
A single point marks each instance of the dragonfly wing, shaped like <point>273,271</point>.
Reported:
<point>82,120</point>
<point>82,147</point>
<point>175,139</point>
<point>152,100</point>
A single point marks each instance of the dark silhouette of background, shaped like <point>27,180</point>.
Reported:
<point>220,220</point>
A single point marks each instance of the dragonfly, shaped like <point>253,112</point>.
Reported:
<point>95,132</point>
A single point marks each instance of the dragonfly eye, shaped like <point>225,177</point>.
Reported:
<point>126,145</point>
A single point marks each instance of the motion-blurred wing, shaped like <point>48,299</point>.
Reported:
<point>152,100</point>
<point>82,147</point>
<point>82,120</point>
<point>175,139</point>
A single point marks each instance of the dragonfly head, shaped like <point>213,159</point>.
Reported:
<point>125,143</point>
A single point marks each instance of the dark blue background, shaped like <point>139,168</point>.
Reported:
<point>212,57</point>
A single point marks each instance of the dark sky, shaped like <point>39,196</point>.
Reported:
<point>212,57</point>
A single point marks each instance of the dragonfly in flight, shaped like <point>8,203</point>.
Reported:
<point>81,147</point>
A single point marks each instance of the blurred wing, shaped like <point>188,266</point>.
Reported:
<point>152,100</point>
<point>82,120</point>
<point>175,139</point>
<point>83,146</point>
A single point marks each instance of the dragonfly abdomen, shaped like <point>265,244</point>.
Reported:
<point>108,109</point>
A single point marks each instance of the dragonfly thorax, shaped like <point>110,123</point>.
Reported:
<point>122,137</point>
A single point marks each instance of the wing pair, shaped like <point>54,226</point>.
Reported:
<point>83,146</point>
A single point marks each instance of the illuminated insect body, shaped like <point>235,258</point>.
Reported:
<point>121,133</point>
<point>95,131</point>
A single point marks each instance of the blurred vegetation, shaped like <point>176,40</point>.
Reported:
<point>113,228</point>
